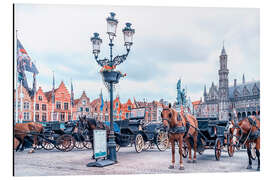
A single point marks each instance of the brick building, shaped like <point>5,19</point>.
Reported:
<point>55,105</point>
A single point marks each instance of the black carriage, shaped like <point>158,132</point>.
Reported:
<point>55,136</point>
<point>134,130</point>
<point>213,134</point>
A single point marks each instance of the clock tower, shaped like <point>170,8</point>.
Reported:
<point>223,86</point>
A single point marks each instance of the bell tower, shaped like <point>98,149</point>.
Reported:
<point>223,86</point>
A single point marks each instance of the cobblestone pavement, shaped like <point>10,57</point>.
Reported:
<point>44,163</point>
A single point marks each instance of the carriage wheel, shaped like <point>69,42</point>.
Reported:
<point>47,145</point>
<point>117,148</point>
<point>79,144</point>
<point>218,149</point>
<point>253,151</point>
<point>64,142</point>
<point>230,146</point>
<point>139,143</point>
<point>72,144</point>
<point>162,141</point>
<point>87,142</point>
<point>147,145</point>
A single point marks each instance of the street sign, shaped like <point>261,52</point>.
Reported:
<point>100,144</point>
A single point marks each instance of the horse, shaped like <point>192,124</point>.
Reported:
<point>22,131</point>
<point>90,124</point>
<point>178,125</point>
<point>245,132</point>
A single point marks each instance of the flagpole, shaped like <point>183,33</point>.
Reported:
<point>34,89</point>
<point>21,102</point>
<point>71,99</point>
<point>16,80</point>
<point>52,100</point>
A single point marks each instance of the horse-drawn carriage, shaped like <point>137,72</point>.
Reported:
<point>135,131</point>
<point>214,134</point>
<point>73,134</point>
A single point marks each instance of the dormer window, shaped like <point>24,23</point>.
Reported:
<point>40,98</point>
<point>84,102</point>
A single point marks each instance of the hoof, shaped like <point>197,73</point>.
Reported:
<point>194,161</point>
<point>181,168</point>
<point>249,167</point>
<point>189,161</point>
<point>171,167</point>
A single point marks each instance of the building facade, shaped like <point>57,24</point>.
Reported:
<point>221,101</point>
<point>59,105</point>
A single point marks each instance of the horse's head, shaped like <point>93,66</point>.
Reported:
<point>239,130</point>
<point>168,116</point>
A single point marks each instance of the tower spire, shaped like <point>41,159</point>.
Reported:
<point>204,92</point>
<point>72,93</point>
<point>223,52</point>
<point>243,80</point>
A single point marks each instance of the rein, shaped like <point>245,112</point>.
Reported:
<point>176,129</point>
<point>242,134</point>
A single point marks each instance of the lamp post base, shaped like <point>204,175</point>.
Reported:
<point>101,163</point>
<point>112,147</point>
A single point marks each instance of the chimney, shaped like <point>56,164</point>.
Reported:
<point>235,80</point>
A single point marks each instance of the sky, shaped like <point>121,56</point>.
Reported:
<point>169,43</point>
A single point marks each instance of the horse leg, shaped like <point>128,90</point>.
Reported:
<point>195,147</point>
<point>173,153</point>
<point>258,152</point>
<point>249,156</point>
<point>93,157</point>
<point>34,145</point>
<point>20,143</point>
<point>189,149</point>
<point>180,142</point>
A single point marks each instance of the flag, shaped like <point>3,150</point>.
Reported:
<point>24,62</point>
<point>135,102</point>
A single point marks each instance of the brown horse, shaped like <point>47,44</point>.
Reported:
<point>22,130</point>
<point>245,132</point>
<point>177,124</point>
<point>191,134</point>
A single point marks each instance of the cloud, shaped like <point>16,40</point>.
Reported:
<point>169,43</point>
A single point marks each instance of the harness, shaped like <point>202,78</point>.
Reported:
<point>250,135</point>
<point>175,129</point>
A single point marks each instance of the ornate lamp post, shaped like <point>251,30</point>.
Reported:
<point>110,76</point>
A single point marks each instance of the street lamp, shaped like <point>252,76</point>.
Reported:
<point>110,76</point>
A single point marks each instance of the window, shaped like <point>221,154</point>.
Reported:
<point>26,116</point>
<point>62,116</point>
<point>19,104</point>
<point>37,106</point>
<point>81,109</point>
<point>84,102</point>
<point>37,117</point>
<point>116,104</point>
<point>58,105</point>
<point>126,115</point>
<point>69,117</point>
<point>44,116</point>
<point>66,106</point>
<point>44,107</point>
<point>40,98</point>
<point>26,105</point>
<point>129,108</point>
<point>86,109</point>
<point>54,116</point>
